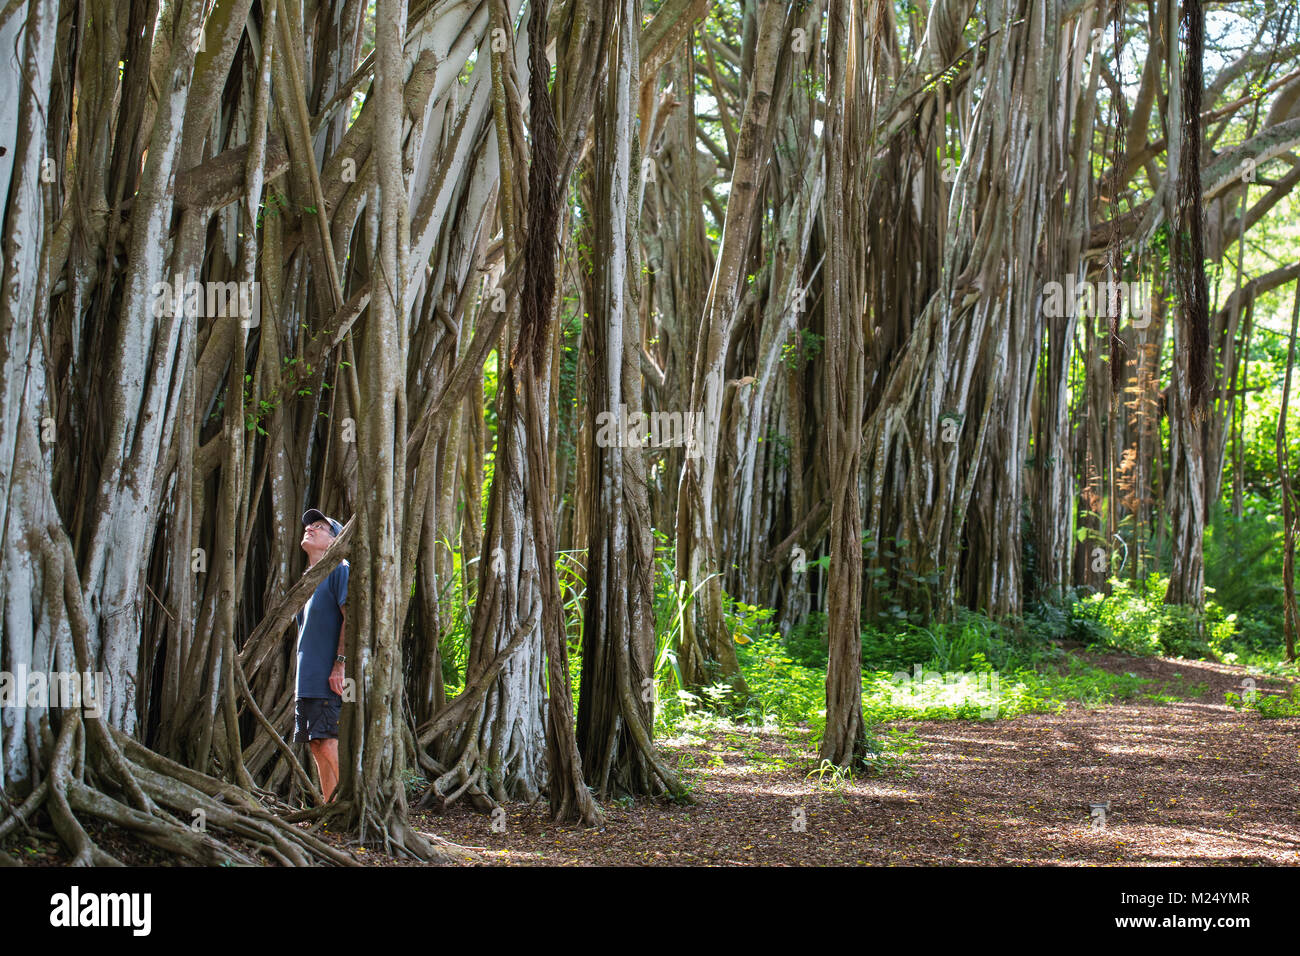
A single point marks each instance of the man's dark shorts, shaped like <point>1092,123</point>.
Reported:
<point>316,718</point>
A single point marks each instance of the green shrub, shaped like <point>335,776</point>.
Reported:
<point>1243,559</point>
<point>781,689</point>
<point>806,642</point>
<point>1137,621</point>
<point>971,636</point>
<point>895,649</point>
<point>1268,706</point>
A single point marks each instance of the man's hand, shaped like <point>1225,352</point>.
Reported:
<point>336,678</point>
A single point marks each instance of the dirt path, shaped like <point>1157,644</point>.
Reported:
<point>1192,781</point>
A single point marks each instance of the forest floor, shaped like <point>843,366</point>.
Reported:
<point>1188,780</point>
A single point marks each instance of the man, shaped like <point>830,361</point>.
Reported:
<point>320,654</point>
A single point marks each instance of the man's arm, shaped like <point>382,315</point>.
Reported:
<point>336,673</point>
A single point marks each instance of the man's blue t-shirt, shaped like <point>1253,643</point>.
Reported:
<point>318,634</point>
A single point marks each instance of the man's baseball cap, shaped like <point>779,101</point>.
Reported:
<point>313,514</point>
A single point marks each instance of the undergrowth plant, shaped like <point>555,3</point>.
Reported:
<point>1268,706</point>
<point>1134,619</point>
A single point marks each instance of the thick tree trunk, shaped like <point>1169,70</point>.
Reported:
<point>531,361</point>
<point>1290,612</point>
<point>849,115</point>
<point>1189,392</point>
<point>372,753</point>
<point>27,638</point>
<point>616,701</point>
<point>706,651</point>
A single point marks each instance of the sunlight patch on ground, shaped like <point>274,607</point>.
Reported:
<point>923,690</point>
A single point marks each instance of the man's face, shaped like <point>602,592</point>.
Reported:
<point>317,536</point>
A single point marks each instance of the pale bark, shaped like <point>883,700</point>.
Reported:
<point>616,704</point>
<point>706,652</point>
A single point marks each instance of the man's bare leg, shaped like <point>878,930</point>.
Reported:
<point>326,754</point>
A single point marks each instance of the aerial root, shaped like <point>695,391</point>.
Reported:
<point>165,804</point>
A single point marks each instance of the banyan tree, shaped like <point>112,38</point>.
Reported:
<point>921,288</point>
